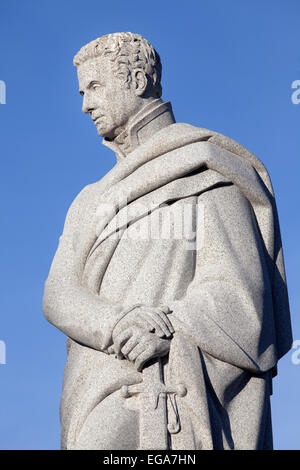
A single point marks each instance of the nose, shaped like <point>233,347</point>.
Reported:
<point>87,106</point>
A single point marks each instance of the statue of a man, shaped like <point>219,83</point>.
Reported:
<point>169,279</point>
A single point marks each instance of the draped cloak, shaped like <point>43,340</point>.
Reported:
<point>224,282</point>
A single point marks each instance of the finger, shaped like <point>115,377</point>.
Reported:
<point>167,321</point>
<point>131,343</point>
<point>146,323</point>
<point>161,313</point>
<point>154,320</point>
<point>165,309</point>
<point>143,358</point>
<point>121,339</point>
<point>159,329</point>
<point>154,316</point>
<point>162,326</point>
<point>139,349</point>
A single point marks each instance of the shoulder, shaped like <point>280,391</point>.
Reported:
<point>220,140</point>
<point>215,139</point>
<point>225,197</point>
<point>228,220</point>
<point>81,204</point>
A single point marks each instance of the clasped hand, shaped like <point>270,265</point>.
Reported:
<point>143,334</point>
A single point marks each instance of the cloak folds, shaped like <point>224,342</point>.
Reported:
<point>228,295</point>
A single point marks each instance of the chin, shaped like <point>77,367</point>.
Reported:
<point>104,131</point>
<point>100,132</point>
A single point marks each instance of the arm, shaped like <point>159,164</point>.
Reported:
<point>80,314</point>
<point>74,310</point>
<point>227,310</point>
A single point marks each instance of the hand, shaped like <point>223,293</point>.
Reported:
<point>139,346</point>
<point>151,319</point>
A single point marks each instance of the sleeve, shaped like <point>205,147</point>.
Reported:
<point>227,310</point>
<point>70,307</point>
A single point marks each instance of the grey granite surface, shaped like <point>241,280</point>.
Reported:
<point>169,278</point>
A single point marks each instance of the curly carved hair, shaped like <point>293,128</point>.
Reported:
<point>128,52</point>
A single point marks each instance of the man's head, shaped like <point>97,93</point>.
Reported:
<point>117,74</point>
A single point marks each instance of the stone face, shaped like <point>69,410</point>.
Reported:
<point>169,279</point>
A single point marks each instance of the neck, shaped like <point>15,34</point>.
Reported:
<point>152,117</point>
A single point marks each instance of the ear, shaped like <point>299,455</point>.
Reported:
<point>140,82</point>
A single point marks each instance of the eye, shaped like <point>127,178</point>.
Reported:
<point>96,85</point>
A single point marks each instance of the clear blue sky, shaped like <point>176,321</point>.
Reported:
<point>228,66</point>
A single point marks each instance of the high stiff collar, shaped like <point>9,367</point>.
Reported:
<point>150,119</point>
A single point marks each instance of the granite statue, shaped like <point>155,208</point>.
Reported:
<point>169,279</point>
